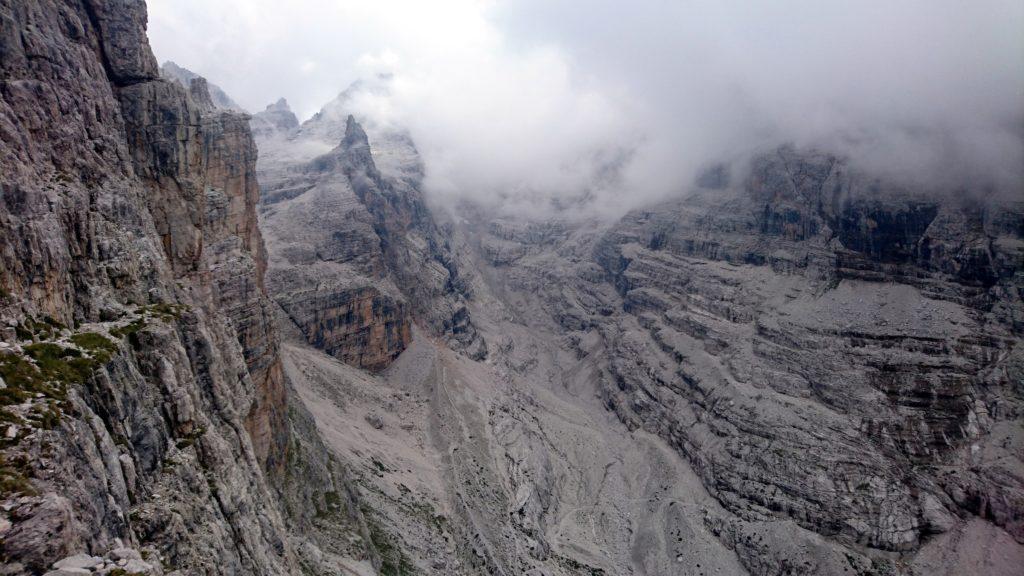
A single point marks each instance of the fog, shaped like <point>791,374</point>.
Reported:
<point>533,102</point>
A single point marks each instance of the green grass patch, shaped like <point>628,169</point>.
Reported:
<point>61,365</point>
<point>128,329</point>
<point>165,311</point>
<point>393,562</point>
<point>32,329</point>
<point>47,368</point>
<point>14,477</point>
<point>99,346</point>
<point>22,379</point>
<point>23,333</point>
<point>8,417</point>
<point>45,416</point>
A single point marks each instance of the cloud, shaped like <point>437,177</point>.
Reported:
<point>531,102</point>
<point>492,126</point>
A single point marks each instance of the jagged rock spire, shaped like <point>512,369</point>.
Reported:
<point>354,135</point>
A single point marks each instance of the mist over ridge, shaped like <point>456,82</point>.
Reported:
<point>511,288</point>
<point>533,105</point>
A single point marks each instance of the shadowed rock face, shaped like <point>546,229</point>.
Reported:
<point>203,166</point>
<point>143,394</point>
<point>359,326</point>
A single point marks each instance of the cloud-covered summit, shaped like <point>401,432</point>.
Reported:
<point>538,102</point>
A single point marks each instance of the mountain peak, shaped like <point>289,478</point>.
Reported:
<point>354,134</point>
<point>276,118</point>
<point>170,70</point>
<point>280,106</point>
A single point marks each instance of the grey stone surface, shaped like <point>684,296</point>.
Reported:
<point>797,368</point>
<point>355,253</point>
<point>127,217</point>
<point>217,97</point>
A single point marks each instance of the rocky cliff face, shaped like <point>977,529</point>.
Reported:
<point>356,254</point>
<point>217,97</point>
<point>142,392</point>
<point>797,369</point>
<point>832,354</point>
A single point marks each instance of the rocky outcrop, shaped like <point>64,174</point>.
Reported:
<point>355,253</point>
<point>360,326</point>
<point>142,398</point>
<point>218,98</point>
<point>276,120</point>
<point>834,355</point>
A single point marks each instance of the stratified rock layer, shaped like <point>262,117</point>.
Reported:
<point>143,399</point>
<point>355,253</point>
<point>825,349</point>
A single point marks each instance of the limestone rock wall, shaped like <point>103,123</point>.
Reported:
<point>143,397</point>
<point>806,345</point>
<point>836,356</point>
<point>356,255</point>
<point>360,326</point>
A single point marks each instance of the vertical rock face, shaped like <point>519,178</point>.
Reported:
<point>355,254</point>
<point>237,259</point>
<point>217,97</point>
<point>142,383</point>
<point>359,326</point>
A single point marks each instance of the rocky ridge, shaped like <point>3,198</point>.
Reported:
<point>142,396</point>
<point>369,256</point>
<point>834,355</point>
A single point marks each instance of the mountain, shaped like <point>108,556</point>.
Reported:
<point>836,358</point>
<point>234,345</point>
<point>184,76</point>
<point>392,147</point>
<point>356,255</point>
<point>146,414</point>
<point>276,119</point>
<point>796,368</point>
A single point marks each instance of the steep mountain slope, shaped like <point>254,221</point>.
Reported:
<point>805,367</point>
<point>355,252</point>
<point>142,397</point>
<point>832,355</point>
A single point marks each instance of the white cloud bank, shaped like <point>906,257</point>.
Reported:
<point>530,101</point>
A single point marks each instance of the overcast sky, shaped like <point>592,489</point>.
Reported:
<point>627,100</point>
